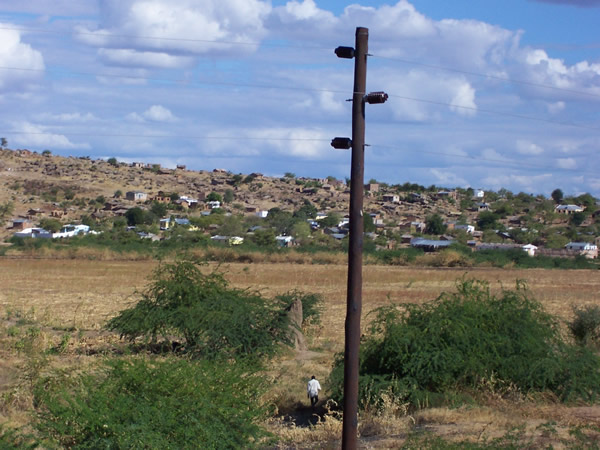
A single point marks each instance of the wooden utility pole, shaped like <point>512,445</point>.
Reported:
<point>357,174</point>
<point>354,297</point>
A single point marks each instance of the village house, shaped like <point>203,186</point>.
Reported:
<point>392,198</point>
<point>587,249</point>
<point>136,196</point>
<point>568,209</point>
<point>372,187</point>
<point>447,194</point>
<point>21,224</point>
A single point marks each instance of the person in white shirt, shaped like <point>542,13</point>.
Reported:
<point>312,390</point>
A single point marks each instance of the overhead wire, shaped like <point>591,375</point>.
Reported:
<point>492,77</point>
<point>295,88</point>
<point>504,162</point>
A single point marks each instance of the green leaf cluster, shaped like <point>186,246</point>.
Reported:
<point>162,403</point>
<point>210,317</point>
<point>454,343</point>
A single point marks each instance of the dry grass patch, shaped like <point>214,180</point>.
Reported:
<point>60,295</point>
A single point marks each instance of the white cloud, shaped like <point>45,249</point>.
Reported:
<point>525,183</point>
<point>159,113</point>
<point>130,57</point>
<point>18,55</point>
<point>556,107</point>
<point>134,117</point>
<point>448,178</point>
<point>296,142</point>
<point>162,33</point>
<point>36,136</point>
<point>492,155</point>
<point>67,117</point>
<point>528,148</point>
<point>566,163</point>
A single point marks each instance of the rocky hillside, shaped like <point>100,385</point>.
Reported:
<point>34,185</point>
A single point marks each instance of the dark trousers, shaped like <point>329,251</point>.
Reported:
<point>314,400</point>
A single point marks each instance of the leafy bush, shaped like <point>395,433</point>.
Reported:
<point>312,305</point>
<point>429,351</point>
<point>585,327</point>
<point>170,403</point>
<point>211,318</point>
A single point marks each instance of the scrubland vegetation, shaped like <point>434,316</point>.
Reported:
<point>508,367</point>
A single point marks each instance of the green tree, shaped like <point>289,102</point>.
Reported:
<point>282,221</point>
<point>368,224</point>
<point>301,230</point>
<point>118,194</point>
<point>214,197</point>
<point>46,152</point>
<point>112,161</point>
<point>434,224</point>
<point>289,175</point>
<point>6,209</point>
<point>586,200</point>
<point>557,196</point>
<point>264,238</point>
<point>135,216</point>
<point>228,196</point>
<point>50,224</point>
<point>332,220</point>
<point>487,221</point>
<point>212,319</point>
<point>3,142</point>
<point>577,218</point>
<point>153,403</point>
<point>159,209</point>
<point>424,352</point>
<point>306,211</point>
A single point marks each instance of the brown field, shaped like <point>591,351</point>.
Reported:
<point>82,294</point>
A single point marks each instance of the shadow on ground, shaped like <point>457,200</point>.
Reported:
<point>304,415</point>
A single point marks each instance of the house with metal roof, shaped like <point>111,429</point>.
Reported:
<point>568,209</point>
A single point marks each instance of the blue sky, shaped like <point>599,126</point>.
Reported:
<point>484,94</point>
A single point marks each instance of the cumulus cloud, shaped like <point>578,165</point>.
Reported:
<point>130,57</point>
<point>566,163</point>
<point>528,148</point>
<point>417,95</point>
<point>67,117</point>
<point>156,113</point>
<point>14,53</point>
<point>37,136</point>
<point>159,113</point>
<point>448,178</point>
<point>161,33</point>
<point>297,142</point>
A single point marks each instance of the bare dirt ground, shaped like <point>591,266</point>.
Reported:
<point>78,296</point>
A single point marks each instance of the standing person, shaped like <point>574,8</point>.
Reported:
<point>312,390</point>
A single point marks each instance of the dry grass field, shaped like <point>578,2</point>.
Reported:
<point>80,295</point>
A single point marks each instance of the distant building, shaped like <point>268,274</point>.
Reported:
<point>587,249</point>
<point>568,209</point>
<point>136,196</point>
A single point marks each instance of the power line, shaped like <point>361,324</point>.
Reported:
<point>517,164</point>
<point>314,47</point>
<point>504,162</point>
<point>181,80</point>
<point>492,77</point>
<point>497,113</point>
<point>162,38</point>
<point>295,88</point>
<point>153,136</point>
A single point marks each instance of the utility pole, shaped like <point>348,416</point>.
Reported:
<point>354,297</point>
